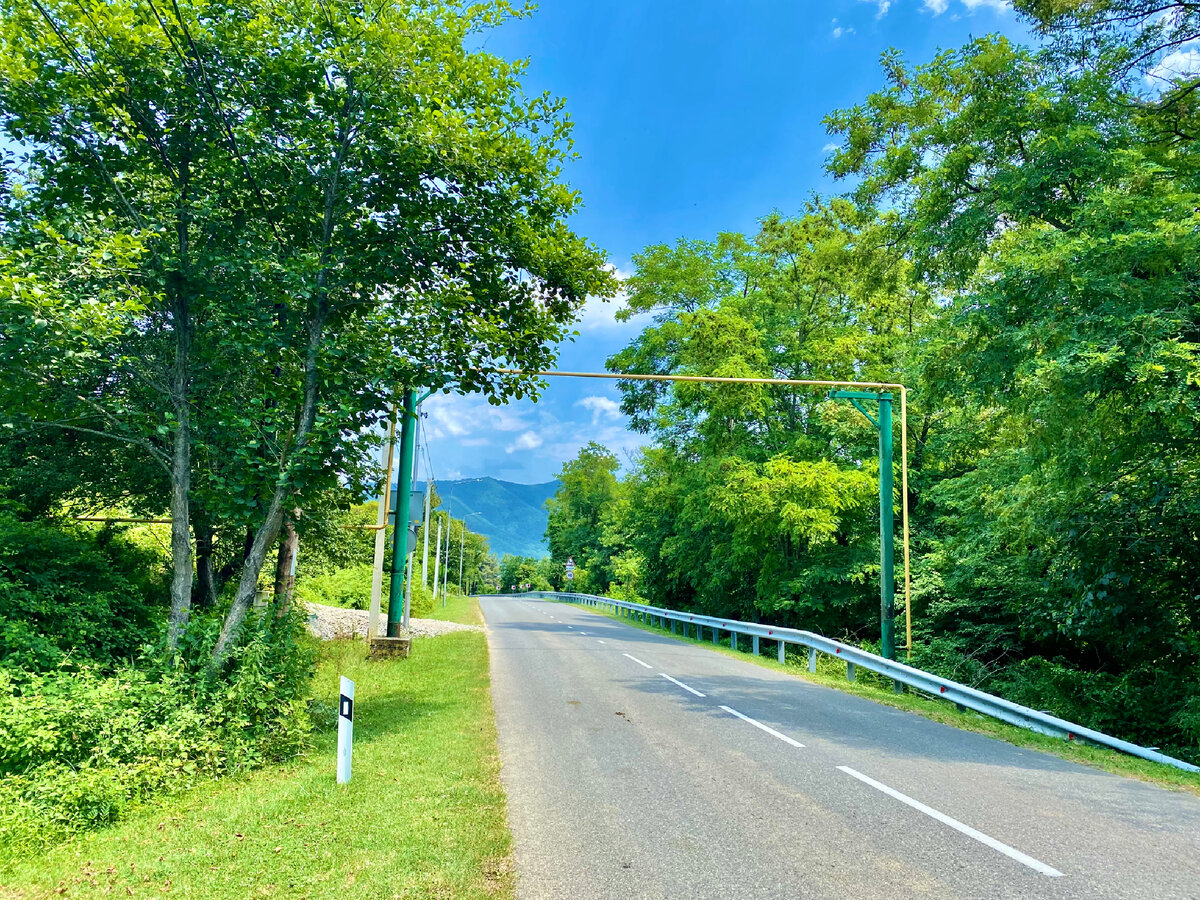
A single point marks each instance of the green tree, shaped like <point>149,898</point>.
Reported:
<point>1063,476</point>
<point>231,227</point>
<point>759,500</point>
<point>574,526</point>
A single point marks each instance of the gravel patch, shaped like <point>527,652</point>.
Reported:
<point>331,622</point>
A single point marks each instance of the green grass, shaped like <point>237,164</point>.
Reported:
<point>423,817</point>
<point>459,608</point>
<point>831,672</point>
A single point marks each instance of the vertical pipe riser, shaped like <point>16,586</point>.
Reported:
<point>887,574</point>
<point>403,502</point>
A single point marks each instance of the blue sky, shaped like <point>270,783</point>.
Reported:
<point>691,118</point>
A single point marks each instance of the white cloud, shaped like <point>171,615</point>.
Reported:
<point>599,315</point>
<point>600,408</point>
<point>476,442</point>
<point>458,415</point>
<point>626,445</point>
<point>530,440</point>
<point>881,7</point>
<point>937,7</point>
<point>1181,63</point>
<point>830,147</point>
<point>838,30</point>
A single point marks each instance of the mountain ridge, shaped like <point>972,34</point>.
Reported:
<point>511,515</point>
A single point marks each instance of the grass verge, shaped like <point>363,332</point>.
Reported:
<point>423,817</point>
<point>459,608</point>
<point>832,673</point>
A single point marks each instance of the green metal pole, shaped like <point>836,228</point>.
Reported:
<point>408,433</point>
<point>887,567</point>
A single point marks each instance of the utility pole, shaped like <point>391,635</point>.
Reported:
<point>887,568</point>
<point>385,496</point>
<point>403,504</point>
<point>425,532</point>
<point>412,552</point>
<point>437,558</point>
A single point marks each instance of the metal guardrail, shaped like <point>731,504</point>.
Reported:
<point>901,675</point>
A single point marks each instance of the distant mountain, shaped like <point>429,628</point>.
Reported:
<point>513,516</point>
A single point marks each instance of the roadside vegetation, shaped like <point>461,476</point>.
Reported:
<point>423,816</point>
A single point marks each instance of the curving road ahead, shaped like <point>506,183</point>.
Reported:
<point>641,767</point>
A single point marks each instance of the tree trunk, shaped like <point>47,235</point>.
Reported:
<point>268,532</point>
<point>181,451</point>
<point>206,584</point>
<point>285,575</point>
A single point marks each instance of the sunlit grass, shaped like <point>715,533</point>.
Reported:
<point>423,817</point>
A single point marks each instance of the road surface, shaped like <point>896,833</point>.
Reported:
<point>641,767</point>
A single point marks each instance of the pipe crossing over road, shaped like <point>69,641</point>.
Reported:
<point>641,767</point>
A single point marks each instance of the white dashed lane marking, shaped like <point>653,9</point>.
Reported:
<point>955,824</point>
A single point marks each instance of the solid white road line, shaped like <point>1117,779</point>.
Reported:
<point>956,825</point>
<point>638,661</point>
<point>757,724</point>
<point>681,684</point>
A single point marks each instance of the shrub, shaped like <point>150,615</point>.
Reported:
<point>421,603</point>
<point>69,593</point>
<point>349,588</point>
<point>77,747</point>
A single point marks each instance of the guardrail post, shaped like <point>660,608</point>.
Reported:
<point>849,671</point>
<point>812,659</point>
<point>754,644</point>
<point>782,651</point>
<point>897,686</point>
<point>672,626</point>
<point>733,640</point>
<point>716,635</point>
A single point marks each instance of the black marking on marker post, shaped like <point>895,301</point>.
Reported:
<point>346,710</point>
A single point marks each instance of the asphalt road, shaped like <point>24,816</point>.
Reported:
<point>641,767</point>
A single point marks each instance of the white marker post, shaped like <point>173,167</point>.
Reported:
<point>345,730</point>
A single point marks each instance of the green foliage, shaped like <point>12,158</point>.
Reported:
<point>69,593</point>
<point>587,485</point>
<point>79,747</point>
<point>760,500</point>
<point>518,571</point>
<point>349,588</point>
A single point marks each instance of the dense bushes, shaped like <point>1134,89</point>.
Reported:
<point>350,588</point>
<point>69,593</point>
<point>78,747</point>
